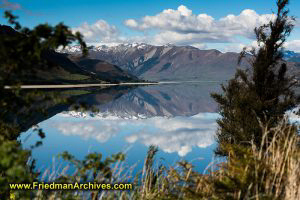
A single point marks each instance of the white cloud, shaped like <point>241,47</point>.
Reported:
<point>188,38</point>
<point>234,47</point>
<point>180,20</point>
<point>103,33</point>
<point>200,45</point>
<point>244,23</point>
<point>293,45</point>
<point>131,23</point>
<point>181,26</point>
<point>100,31</point>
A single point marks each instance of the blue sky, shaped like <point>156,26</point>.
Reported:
<point>225,25</point>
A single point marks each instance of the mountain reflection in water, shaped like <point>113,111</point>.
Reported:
<point>178,118</point>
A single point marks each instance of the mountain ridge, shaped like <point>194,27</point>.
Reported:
<point>170,62</point>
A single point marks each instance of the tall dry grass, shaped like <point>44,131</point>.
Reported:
<point>268,171</point>
<point>282,158</point>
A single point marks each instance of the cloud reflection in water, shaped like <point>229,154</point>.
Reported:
<point>178,134</point>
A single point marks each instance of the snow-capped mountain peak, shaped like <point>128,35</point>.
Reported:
<point>103,115</point>
<point>69,49</point>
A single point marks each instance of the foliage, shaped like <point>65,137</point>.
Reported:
<point>93,162</point>
<point>29,46</point>
<point>21,53</point>
<point>91,169</point>
<point>14,168</point>
<point>262,93</point>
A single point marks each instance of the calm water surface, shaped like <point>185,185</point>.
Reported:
<point>178,118</point>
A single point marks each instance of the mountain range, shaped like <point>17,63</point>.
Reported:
<point>170,62</point>
<point>136,62</point>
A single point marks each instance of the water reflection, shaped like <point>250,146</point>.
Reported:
<point>178,118</point>
<point>177,134</point>
<point>165,100</point>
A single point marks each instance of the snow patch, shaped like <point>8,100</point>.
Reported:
<point>150,54</point>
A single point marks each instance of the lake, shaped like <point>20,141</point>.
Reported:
<point>178,118</point>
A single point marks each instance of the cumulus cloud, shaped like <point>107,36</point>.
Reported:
<point>179,134</point>
<point>131,23</point>
<point>181,26</point>
<point>244,23</point>
<point>103,33</point>
<point>181,20</point>
<point>100,31</point>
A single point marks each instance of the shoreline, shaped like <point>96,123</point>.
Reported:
<point>75,85</point>
<point>101,84</point>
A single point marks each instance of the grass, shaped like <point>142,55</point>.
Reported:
<point>60,73</point>
<point>263,173</point>
<point>75,92</point>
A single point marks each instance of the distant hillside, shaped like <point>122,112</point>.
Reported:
<point>170,62</point>
<point>103,70</point>
<point>66,71</point>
